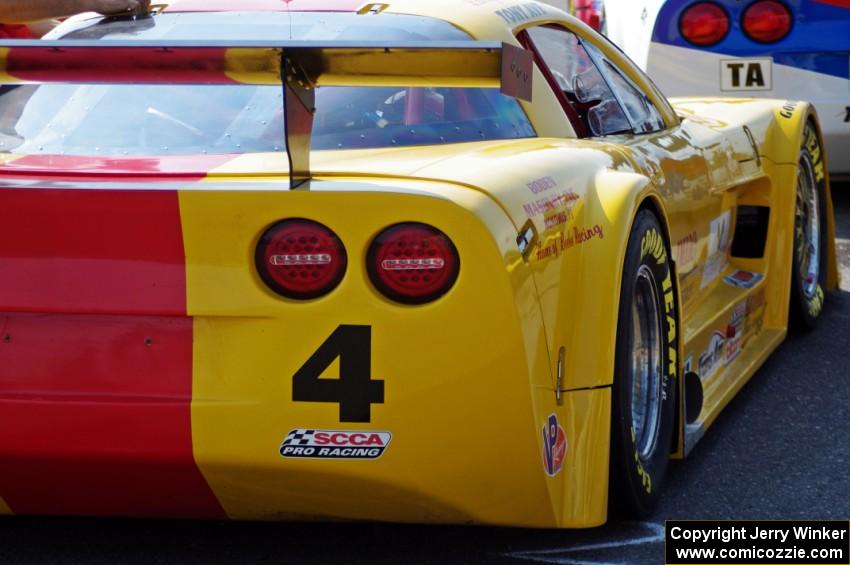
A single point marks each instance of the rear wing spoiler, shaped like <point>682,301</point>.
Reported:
<point>298,66</point>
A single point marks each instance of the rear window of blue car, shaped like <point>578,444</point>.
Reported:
<point>231,119</point>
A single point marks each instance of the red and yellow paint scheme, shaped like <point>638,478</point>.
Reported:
<point>146,369</point>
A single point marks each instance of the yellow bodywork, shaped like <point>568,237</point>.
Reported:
<point>471,378</point>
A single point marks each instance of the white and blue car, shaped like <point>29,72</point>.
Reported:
<point>794,49</point>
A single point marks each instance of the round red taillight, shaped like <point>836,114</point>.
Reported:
<point>301,259</point>
<point>413,263</point>
<point>704,24</point>
<point>766,21</point>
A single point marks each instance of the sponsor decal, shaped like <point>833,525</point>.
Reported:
<point>718,248</point>
<point>689,285</point>
<point>746,74</point>
<point>557,219</point>
<point>685,252</point>
<point>583,235</point>
<point>755,315</point>
<point>521,12</point>
<point>334,444</point>
<point>739,312</point>
<point>719,232</point>
<point>743,279</point>
<point>568,239</point>
<point>734,332</point>
<point>755,301</point>
<point>550,203</point>
<point>554,446</point>
<point>724,347</point>
<point>715,265</point>
<point>713,357</point>
<point>542,185</point>
<point>556,207</point>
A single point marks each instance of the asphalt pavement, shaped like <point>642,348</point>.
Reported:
<point>780,450</point>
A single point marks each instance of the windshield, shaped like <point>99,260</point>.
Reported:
<point>180,120</point>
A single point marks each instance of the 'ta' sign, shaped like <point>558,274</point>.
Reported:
<point>746,74</point>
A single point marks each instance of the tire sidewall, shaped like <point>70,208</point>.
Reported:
<point>805,311</point>
<point>636,481</point>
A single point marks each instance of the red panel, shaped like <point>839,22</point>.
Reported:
<point>78,167</point>
<point>91,251</point>
<point>119,64</point>
<point>95,417</point>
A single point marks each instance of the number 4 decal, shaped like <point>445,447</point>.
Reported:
<point>354,390</point>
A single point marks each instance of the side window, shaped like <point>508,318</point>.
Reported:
<point>580,81</point>
<point>640,109</point>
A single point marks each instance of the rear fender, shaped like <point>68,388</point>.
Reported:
<point>583,311</point>
<point>790,119</point>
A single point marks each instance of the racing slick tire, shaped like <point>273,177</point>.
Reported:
<point>808,275</point>
<point>643,397</point>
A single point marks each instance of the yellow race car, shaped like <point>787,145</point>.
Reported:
<point>450,261</point>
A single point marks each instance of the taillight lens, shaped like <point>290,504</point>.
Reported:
<point>301,259</point>
<point>704,24</point>
<point>413,263</point>
<point>586,11</point>
<point>766,21</point>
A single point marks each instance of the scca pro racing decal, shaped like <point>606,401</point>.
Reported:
<point>335,444</point>
<point>554,446</point>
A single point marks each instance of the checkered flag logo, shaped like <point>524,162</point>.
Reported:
<point>334,444</point>
<point>299,437</point>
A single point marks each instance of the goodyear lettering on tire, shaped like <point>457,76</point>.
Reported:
<point>669,304</point>
<point>652,243</point>
<point>645,479</point>
<point>816,303</point>
<point>812,144</point>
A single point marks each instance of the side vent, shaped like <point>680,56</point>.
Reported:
<point>750,232</point>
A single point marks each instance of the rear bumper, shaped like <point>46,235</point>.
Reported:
<point>465,422</point>
<point>145,416</point>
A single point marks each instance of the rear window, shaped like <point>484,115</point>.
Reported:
<point>180,120</point>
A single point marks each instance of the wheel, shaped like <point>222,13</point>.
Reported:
<point>643,397</point>
<point>808,276</point>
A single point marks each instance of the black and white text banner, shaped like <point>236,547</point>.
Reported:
<point>757,542</point>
